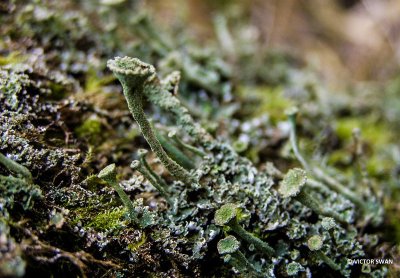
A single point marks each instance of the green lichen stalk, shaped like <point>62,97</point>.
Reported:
<point>227,216</point>
<point>13,166</point>
<point>175,153</point>
<point>293,184</point>
<point>292,114</point>
<point>109,175</point>
<point>158,94</point>
<point>229,247</point>
<point>369,209</point>
<point>251,239</point>
<point>133,74</point>
<point>314,243</point>
<point>137,165</point>
<point>142,158</point>
<point>196,151</point>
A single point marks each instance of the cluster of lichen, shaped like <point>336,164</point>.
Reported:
<point>16,190</point>
<point>201,196</point>
<point>223,177</point>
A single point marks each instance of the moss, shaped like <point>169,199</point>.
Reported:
<point>109,220</point>
<point>134,247</point>
<point>94,82</point>
<point>58,91</point>
<point>373,130</point>
<point>91,130</point>
<point>376,165</point>
<point>376,134</point>
<point>12,58</point>
<point>266,100</point>
<point>340,157</point>
<point>93,182</point>
<point>132,134</point>
<point>81,215</point>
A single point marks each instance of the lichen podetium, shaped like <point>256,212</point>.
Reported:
<point>133,74</point>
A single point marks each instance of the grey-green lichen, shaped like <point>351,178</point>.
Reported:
<point>16,189</point>
<point>294,268</point>
<point>133,74</point>
<point>370,209</point>
<point>314,243</point>
<point>227,216</point>
<point>229,184</point>
<point>229,246</point>
<point>64,120</point>
<point>292,183</point>
<point>137,213</point>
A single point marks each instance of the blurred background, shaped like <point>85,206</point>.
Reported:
<point>345,40</point>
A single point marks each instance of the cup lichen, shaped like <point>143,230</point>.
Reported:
<point>315,245</point>
<point>133,75</point>
<point>62,82</point>
<point>229,246</point>
<point>109,175</point>
<point>227,216</point>
<point>292,186</point>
